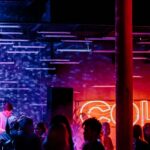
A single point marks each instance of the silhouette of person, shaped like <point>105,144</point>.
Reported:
<point>139,144</point>
<point>92,129</point>
<point>41,130</point>
<point>7,138</point>
<point>59,134</point>
<point>105,137</point>
<point>26,138</point>
<point>146,132</point>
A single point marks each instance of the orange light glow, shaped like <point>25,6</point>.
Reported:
<point>105,111</point>
<point>145,112</point>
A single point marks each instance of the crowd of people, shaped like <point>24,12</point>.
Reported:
<point>22,134</point>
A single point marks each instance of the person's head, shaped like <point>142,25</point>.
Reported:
<point>13,127</point>
<point>26,125</point>
<point>12,121</point>
<point>7,109</point>
<point>40,128</point>
<point>92,128</point>
<point>58,137</point>
<point>137,131</point>
<point>62,119</point>
<point>106,128</point>
<point>57,119</point>
<point>146,131</point>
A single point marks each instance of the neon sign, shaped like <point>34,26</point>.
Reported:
<point>105,111</point>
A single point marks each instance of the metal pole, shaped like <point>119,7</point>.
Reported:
<point>124,85</point>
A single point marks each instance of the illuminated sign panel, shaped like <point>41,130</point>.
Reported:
<point>105,111</point>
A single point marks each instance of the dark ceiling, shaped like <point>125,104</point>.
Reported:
<point>69,11</point>
<point>71,25</point>
<point>96,12</point>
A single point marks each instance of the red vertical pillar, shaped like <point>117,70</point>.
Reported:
<point>124,85</point>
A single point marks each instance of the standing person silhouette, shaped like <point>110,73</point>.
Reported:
<point>106,138</point>
<point>92,129</point>
<point>138,142</point>
<point>146,132</point>
<point>59,135</point>
<point>4,115</point>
